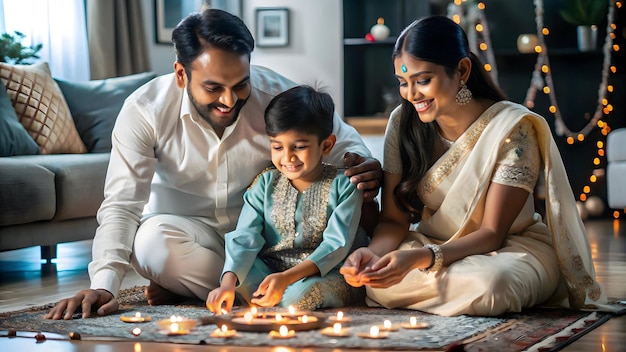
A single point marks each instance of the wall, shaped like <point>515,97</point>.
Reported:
<point>314,55</point>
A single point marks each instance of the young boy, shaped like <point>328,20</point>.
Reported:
<point>300,217</point>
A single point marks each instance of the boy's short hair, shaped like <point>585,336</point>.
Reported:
<point>301,108</point>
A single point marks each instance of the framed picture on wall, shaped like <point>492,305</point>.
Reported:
<point>272,27</point>
<point>168,13</point>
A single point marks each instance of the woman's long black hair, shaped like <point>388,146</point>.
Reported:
<point>439,40</point>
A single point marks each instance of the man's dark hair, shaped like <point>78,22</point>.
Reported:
<point>301,108</point>
<point>212,28</point>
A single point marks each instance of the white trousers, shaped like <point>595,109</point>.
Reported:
<point>181,254</point>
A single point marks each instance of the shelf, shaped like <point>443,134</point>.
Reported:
<point>362,41</point>
<point>551,52</point>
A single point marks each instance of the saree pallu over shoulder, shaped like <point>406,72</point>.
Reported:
<point>455,188</point>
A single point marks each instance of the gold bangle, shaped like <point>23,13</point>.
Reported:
<point>437,259</point>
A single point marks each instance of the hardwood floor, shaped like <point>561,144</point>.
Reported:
<point>24,283</point>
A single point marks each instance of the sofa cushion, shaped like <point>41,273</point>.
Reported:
<point>94,106</point>
<point>41,107</point>
<point>79,180</point>
<point>14,140</point>
<point>27,192</point>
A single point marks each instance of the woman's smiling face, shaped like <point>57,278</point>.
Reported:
<point>427,86</point>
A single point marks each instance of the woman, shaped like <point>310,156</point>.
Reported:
<point>462,163</point>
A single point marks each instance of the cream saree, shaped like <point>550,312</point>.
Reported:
<point>542,261</point>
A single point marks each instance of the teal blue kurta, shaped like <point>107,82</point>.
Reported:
<point>271,236</point>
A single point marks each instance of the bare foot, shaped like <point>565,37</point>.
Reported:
<point>157,295</point>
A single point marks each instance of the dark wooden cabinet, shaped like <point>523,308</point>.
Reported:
<point>369,85</point>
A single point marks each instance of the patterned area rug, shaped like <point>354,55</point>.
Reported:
<point>537,329</point>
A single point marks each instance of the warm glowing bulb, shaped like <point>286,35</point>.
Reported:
<point>305,319</point>
<point>600,144</point>
<point>609,107</point>
<point>283,330</point>
<point>613,69</point>
<point>610,88</point>
<point>615,47</point>
<point>581,137</point>
<point>483,46</point>
<point>586,189</point>
<point>456,19</point>
<point>583,197</point>
<point>487,67</point>
<point>538,49</point>
<point>593,178</point>
<point>596,161</point>
<point>552,109</point>
<point>546,90</point>
<point>570,140</point>
<point>601,152</point>
<point>616,214</point>
<point>374,331</point>
<point>545,31</point>
<point>337,328</point>
<point>481,5</point>
<point>479,27</point>
<point>545,68</point>
<point>457,2</point>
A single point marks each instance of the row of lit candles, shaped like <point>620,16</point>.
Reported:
<point>177,325</point>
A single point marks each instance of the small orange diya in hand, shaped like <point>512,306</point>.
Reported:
<point>136,318</point>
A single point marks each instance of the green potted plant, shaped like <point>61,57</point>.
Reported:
<point>12,51</point>
<point>585,15</point>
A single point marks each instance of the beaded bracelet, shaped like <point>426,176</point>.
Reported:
<point>437,259</point>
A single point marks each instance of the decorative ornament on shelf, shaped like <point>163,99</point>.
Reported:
<point>379,31</point>
<point>526,43</point>
<point>585,15</point>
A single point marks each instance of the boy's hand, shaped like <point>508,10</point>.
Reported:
<point>271,290</point>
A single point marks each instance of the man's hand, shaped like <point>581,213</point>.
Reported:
<point>101,301</point>
<point>366,173</point>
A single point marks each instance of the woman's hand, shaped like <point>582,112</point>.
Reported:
<point>271,290</point>
<point>366,173</point>
<point>391,268</point>
<point>358,263</point>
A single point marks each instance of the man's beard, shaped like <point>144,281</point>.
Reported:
<point>206,112</point>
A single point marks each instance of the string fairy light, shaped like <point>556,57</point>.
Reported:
<point>476,27</point>
<point>542,69</point>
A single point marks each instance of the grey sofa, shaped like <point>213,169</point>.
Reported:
<point>50,199</point>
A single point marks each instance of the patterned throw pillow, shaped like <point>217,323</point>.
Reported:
<point>41,108</point>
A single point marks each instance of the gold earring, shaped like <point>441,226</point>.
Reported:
<point>464,95</point>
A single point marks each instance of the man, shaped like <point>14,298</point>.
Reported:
<point>185,148</point>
